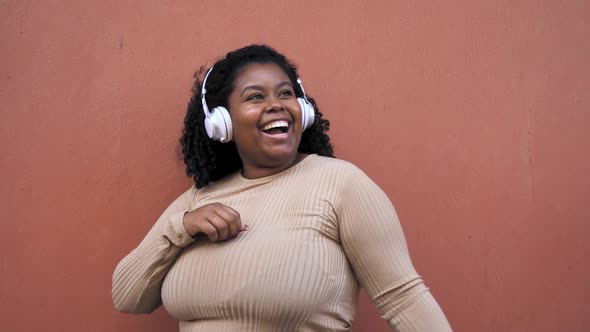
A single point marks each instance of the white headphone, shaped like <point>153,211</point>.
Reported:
<point>218,122</point>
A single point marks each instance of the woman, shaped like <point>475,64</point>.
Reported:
<point>275,235</point>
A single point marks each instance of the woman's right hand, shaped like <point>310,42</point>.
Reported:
<point>218,221</point>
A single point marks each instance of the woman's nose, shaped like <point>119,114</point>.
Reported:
<point>274,104</point>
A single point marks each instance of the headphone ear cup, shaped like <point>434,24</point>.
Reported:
<point>218,125</point>
<point>307,113</point>
<point>229,129</point>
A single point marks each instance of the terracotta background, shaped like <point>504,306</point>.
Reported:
<point>472,115</point>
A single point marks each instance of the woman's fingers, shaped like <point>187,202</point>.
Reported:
<point>209,230</point>
<point>221,226</point>
<point>241,226</point>
<point>232,219</point>
<point>218,221</point>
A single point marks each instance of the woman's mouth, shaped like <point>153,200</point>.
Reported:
<point>276,128</point>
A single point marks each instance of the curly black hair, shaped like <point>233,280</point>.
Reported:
<point>208,160</point>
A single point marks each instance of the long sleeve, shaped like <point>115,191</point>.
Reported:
<point>137,279</point>
<point>374,243</point>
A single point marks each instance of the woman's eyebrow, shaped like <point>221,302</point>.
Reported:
<point>253,87</point>
<point>280,85</point>
<point>260,88</point>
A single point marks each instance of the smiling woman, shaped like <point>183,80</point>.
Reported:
<point>274,236</point>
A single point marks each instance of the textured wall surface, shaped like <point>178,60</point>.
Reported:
<point>473,116</point>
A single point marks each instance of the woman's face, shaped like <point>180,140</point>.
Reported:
<point>266,117</point>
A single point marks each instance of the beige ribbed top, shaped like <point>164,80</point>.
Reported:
<point>318,231</point>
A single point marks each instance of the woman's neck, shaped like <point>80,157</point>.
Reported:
<point>253,171</point>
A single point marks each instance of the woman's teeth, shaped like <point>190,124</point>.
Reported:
<point>281,125</point>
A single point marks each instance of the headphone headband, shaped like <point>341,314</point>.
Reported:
<point>302,89</point>
<point>204,92</point>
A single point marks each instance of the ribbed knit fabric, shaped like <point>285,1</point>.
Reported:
<point>318,231</point>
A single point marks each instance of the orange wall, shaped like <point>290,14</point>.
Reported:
<point>472,116</point>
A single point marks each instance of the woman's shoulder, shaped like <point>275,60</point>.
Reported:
<point>334,164</point>
<point>333,168</point>
<point>340,177</point>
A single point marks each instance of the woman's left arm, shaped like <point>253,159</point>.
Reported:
<point>374,243</point>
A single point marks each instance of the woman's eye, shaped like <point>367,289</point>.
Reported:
<point>287,93</point>
<point>254,96</point>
